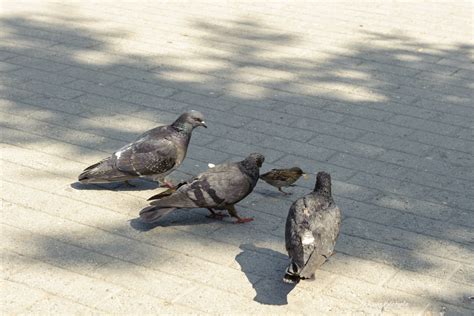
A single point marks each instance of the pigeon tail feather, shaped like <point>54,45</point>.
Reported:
<point>177,199</point>
<point>102,171</point>
<point>161,195</point>
<point>152,213</point>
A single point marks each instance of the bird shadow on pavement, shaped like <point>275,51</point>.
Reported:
<point>264,268</point>
<point>271,193</point>
<point>136,185</point>
<point>184,217</point>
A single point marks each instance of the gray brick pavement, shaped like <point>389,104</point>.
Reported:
<point>378,95</point>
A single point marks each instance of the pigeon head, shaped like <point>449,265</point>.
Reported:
<point>256,158</point>
<point>189,120</point>
<point>323,183</point>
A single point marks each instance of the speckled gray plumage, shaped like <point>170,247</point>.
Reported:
<point>154,154</point>
<point>312,228</point>
<point>218,188</point>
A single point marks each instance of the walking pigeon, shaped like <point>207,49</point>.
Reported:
<point>283,177</point>
<point>312,228</point>
<point>219,188</point>
<point>155,153</point>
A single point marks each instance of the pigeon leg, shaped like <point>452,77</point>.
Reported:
<point>168,184</point>
<point>285,193</point>
<point>163,182</point>
<point>233,213</point>
<point>215,215</point>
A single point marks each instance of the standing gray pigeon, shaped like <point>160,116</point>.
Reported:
<point>312,228</point>
<point>154,154</point>
<point>219,187</point>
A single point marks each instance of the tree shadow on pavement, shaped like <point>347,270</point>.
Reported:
<point>356,111</point>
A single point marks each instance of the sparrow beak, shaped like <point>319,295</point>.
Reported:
<point>305,176</point>
<point>203,124</point>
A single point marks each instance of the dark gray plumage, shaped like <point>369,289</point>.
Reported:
<point>312,228</point>
<point>154,154</point>
<point>218,188</point>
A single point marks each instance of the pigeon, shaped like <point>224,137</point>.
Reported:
<point>283,177</point>
<point>312,228</point>
<point>218,188</point>
<point>154,154</point>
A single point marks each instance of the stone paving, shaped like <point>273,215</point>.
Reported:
<point>377,93</point>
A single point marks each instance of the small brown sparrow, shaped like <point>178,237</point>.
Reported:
<point>283,177</point>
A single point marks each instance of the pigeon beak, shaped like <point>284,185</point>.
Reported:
<point>203,124</point>
<point>305,176</point>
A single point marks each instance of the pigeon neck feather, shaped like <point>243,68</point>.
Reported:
<point>250,169</point>
<point>182,127</point>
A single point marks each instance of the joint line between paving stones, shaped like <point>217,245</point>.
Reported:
<point>357,170</point>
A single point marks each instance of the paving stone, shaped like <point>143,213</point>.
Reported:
<point>457,109</point>
<point>388,114</point>
<point>90,75</point>
<point>346,146</point>
<point>206,101</point>
<point>6,67</point>
<point>440,290</point>
<point>402,259</point>
<point>152,282</point>
<point>316,111</point>
<point>359,110</point>
<point>44,76</point>
<point>55,104</point>
<point>94,88</point>
<point>374,299</point>
<point>154,102</point>
<point>49,90</point>
<point>433,127</point>
<point>144,87</point>
<point>128,302</point>
<point>12,303</point>
<point>67,284</point>
<point>465,275</point>
<point>332,129</point>
<point>37,63</point>
<point>404,239</point>
<point>279,131</point>
<point>57,305</point>
<point>231,147</point>
<point>377,127</point>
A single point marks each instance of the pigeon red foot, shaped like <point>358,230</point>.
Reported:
<point>243,220</point>
<point>168,185</point>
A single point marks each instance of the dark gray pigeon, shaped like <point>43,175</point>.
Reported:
<point>219,188</point>
<point>154,154</point>
<point>312,228</point>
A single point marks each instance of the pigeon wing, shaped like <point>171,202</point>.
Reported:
<point>147,156</point>
<point>226,185</point>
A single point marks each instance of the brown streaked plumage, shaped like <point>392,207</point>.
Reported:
<point>282,177</point>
